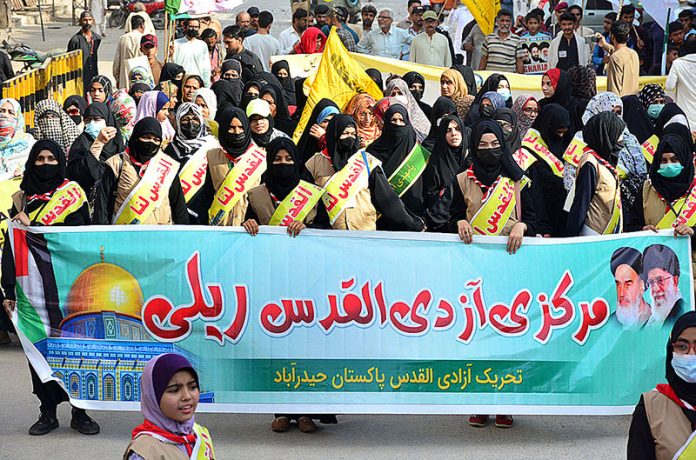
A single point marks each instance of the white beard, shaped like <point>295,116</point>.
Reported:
<point>631,316</point>
<point>662,308</point>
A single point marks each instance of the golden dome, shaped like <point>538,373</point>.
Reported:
<point>105,287</point>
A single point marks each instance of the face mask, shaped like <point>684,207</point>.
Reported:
<point>77,119</point>
<point>346,145</point>
<point>490,157</point>
<point>233,141</point>
<point>283,171</point>
<point>487,111</point>
<point>191,33</point>
<point>654,110</point>
<point>7,125</point>
<point>46,172</point>
<point>145,150</point>
<point>191,130</point>
<point>505,93</point>
<point>93,127</point>
<point>685,367</point>
<point>670,170</point>
<point>417,94</point>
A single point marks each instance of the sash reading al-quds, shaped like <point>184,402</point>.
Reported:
<point>297,205</point>
<point>533,143</point>
<point>499,202</point>
<point>192,174</point>
<point>67,199</point>
<point>686,214</point>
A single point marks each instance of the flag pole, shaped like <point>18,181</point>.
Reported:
<point>664,43</point>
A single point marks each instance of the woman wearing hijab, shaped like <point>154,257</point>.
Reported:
<point>393,148</point>
<point>168,384</point>
<point>141,75</point>
<point>273,94</point>
<point>173,73</point>
<point>372,194</point>
<point>122,176</point>
<point>447,160</point>
<point>526,109</point>
<point>75,107</point>
<point>228,90</point>
<point>507,120</point>
<point>157,105</point>
<point>189,85</point>
<point>664,418</point>
<point>311,140</point>
<point>41,201</point>
<point>490,103</point>
<point>652,94</point>
<point>557,89</point>
<point>51,122</point>
<point>637,119</point>
<point>376,76</point>
<point>397,87</point>
<point>124,109</point>
<point>583,80</point>
<point>360,108</point>
<point>670,114</point>
<point>251,91</point>
<point>190,134</point>
<point>312,41</point>
<point>281,69</point>
<point>137,90</point>
<point>469,78</point>
<point>596,207</point>
<point>453,87</point>
<point>261,123</point>
<point>97,118</point>
<point>15,142</point>
<point>416,85</point>
<point>99,90</point>
<point>442,107</point>
<point>497,83</point>
<point>206,99</point>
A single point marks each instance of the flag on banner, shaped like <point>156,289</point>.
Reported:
<point>186,8</point>
<point>484,12</point>
<point>339,78</point>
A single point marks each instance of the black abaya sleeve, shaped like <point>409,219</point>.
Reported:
<point>634,218</point>
<point>104,199</point>
<point>388,203</point>
<point>585,187</point>
<point>203,200</point>
<point>84,169</point>
<point>177,202</point>
<point>8,280</point>
<point>528,206</point>
<point>641,445</point>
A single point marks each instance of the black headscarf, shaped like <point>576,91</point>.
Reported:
<point>507,167</point>
<point>551,118</point>
<point>288,83</point>
<point>246,98</point>
<point>233,146</point>
<point>147,125</point>
<point>300,97</point>
<point>281,185</point>
<point>669,111</point>
<point>170,71</point>
<point>307,145</point>
<point>376,76</point>
<point>443,106</point>
<point>76,101</point>
<point>395,142</point>
<point>446,161</point>
<point>138,88</point>
<point>512,139</point>
<point>35,183</point>
<point>563,95</point>
<point>674,187</point>
<point>491,84</point>
<point>414,77</point>
<point>228,93</point>
<point>469,78</point>
<point>636,118</point>
<point>684,390</point>
<point>282,119</point>
<point>340,153</point>
<point>601,134</point>
<point>84,141</point>
<point>682,131</point>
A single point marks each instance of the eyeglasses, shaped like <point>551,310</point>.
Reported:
<point>682,348</point>
<point>383,17</point>
<point>661,280</point>
<point>530,111</point>
<point>505,125</point>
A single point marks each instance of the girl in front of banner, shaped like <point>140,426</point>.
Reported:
<point>169,395</point>
<point>356,185</point>
<point>46,198</point>
<point>596,196</point>
<point>397,149</point>
<point>664,421</point>
<point>131,180</point>
<point>280,181</point>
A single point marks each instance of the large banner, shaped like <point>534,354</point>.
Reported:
<point>536,54</point>
<point>352,322</point>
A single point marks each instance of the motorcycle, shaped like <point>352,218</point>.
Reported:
<point>30,58</point>
<point>154,8</point>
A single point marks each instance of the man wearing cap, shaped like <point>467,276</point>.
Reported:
<point>148,47</point>
<point>253,17</point>
<point>335,19</point>
<point>414,22</point>
<point>559,10</point>
<point>128,47</point>
<point>632,312</point>
<point>661,273</point>
<point>262,43</point>
<point>386,40</point>
<point>431,47</point>
<point>88,42</point>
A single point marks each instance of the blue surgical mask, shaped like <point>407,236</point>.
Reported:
<point>670,170</point>
<point>685,367</point>
<point>505,93</point>
<point>654,110</point>
<point>93,127</point>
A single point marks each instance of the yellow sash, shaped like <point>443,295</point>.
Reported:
<point>67,199</point>
<point>297,205</point>
<point>345,184</point>
<point>192,174</point>
<point>149,194</point>
<point>574,151</point>
<point>524,158</point>
<point>203,449</point>
<point>535,144</point>
<point>687,212</point>
<point>497,208</point>
<point>237,183</point>
<point>649,147</point>
<point>616,222</point>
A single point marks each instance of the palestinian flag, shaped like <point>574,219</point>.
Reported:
<point>38,304</point>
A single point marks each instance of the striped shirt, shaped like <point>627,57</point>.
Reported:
<point>502,54</point>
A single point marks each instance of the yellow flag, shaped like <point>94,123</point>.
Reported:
<point>484,12</point>
<point>339,78</point>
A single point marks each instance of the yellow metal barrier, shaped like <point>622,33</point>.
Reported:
<point>59,78</point>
